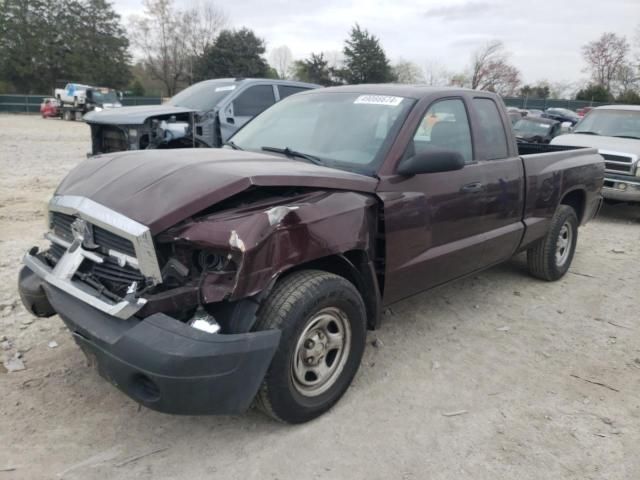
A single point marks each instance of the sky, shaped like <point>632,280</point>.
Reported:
<point>544,37</point>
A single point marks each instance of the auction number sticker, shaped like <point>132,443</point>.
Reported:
<point>226,88</point>
<point>379,100</point>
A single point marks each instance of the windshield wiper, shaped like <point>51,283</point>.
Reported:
<point>293,153</point>
<point>585,132</point>
<point>627,136</point>
<point>232,144</point>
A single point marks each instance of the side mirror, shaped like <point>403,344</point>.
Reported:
<point>431,161</point>
<point>566,127</point>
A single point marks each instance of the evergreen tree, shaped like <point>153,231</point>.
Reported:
<point>46,42</point>
<point>594,93</point>
<point>314,69</point>
<point>236,53</point>
<point>365,60</point>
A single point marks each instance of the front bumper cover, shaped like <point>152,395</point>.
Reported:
<point>622,188</point>
<point>163,363</point>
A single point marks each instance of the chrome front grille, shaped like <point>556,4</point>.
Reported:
<point>619,162</point>
<point>61,226</point>
<point>108,272</point>
<point>115,273</point>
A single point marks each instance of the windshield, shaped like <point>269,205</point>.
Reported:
<point>203,96</point>
<point>530,128</point>
<point>611,123</point>
<point>104,96</point>
<point>343,130</point>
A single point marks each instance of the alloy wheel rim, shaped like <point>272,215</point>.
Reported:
<point>321,352</point>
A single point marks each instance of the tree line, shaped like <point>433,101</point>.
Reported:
<point>44,43</point>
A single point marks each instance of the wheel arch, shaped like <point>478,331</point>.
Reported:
<point>576,199</point>
<point>356,267</point>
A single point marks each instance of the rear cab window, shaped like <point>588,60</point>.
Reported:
<point>491,132</point>
<point>288,90</point>
<point>254,100</point>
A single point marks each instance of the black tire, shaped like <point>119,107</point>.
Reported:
<point>293,306</point>
<point>542,258</point>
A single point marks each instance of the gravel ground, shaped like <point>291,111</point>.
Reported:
<point>497,376</point>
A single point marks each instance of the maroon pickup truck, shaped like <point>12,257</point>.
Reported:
<point>199,281</point>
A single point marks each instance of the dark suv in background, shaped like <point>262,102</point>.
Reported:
<point>205,114</point>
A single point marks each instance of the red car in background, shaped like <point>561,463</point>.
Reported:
<point>49,108</point>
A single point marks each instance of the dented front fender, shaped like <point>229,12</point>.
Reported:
<point>268,240</point>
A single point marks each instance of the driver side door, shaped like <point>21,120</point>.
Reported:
<point>434,222</point>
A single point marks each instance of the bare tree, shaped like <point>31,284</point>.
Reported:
<point>436,75</point>
<point>281,59</point>
<point>408,72</point>
<point>334,58</point>
<point>627,79</point>
<point>159,35</point>
<point>203,21</point>
<point>491,70</point>
<point>606,57</point>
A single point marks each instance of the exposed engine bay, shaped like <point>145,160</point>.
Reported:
<point>181,130</point>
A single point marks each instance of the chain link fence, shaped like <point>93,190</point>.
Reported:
<point>544,103</point>
<point>31,103</point>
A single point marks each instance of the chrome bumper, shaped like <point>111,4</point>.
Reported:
<point>59,277</point>
<point>629,193</point>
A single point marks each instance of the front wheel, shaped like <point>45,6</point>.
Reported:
<point>323,322</point>
<point>550,258</point>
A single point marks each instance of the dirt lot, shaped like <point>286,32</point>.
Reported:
<point>513,358</point>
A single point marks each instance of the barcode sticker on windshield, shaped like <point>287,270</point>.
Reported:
<point>379,100</point>
<point>225,89</point>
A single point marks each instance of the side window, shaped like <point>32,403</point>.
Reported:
<point>287,91</point>
<point>253,101</point>
<point>491,129</point>
<point>445,125</point>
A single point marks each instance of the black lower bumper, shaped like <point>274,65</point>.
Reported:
<point>165,364</point>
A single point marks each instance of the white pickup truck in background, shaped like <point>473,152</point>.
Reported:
<point>615,131</point>
<point>74,93</point>
<point>77,99</point>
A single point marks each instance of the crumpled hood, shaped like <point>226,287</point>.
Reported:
<point>613,144</point>
<point>132,115</point>
<point>160,188</point>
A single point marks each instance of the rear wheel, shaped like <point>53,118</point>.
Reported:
<point>551,257</point>
<point>323,322</point>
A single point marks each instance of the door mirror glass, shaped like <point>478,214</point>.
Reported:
<point>432,160</point>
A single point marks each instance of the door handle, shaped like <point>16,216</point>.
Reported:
<point>474,187</point>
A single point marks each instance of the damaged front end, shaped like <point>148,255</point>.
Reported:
<point>168,318</point>
<point>164,131</point>
<point>227,258</point>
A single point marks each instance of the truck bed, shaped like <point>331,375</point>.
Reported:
<point>525,148</point>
